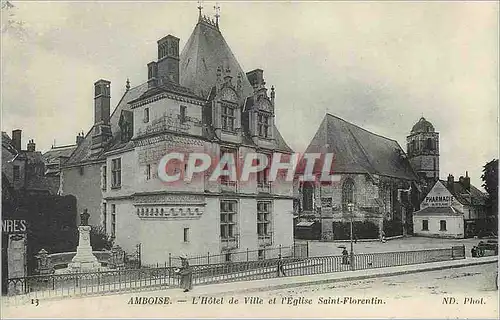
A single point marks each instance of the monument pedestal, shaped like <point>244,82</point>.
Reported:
<point>84,260</point>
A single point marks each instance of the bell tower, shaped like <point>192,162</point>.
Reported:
<point>423,151</point>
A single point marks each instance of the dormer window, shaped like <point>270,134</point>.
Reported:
<point>263,125</point>
<point>228,118</point>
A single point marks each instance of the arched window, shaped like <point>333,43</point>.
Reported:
<point>347,193</point>
<point>428,144</point>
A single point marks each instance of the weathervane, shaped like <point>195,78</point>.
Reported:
<point>200,7</point>
<point>217,13</point>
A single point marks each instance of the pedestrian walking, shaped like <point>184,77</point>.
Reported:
<point>280,269</point>
<point>382,237</point>
<point>186,274</point>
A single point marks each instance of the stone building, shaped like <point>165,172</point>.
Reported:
<point>370,171</point>
<point>195,100</point>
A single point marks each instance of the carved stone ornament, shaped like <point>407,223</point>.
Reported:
<point>228,94</point>
<point>264,105</point>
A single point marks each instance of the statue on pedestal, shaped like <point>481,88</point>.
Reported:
<point>84,218</point>
<point>84,260</point>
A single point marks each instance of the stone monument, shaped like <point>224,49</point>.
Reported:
<point>84,260</point>
<point>16,262</point>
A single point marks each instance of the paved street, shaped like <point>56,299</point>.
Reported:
<point>473,288</point>
<point>473,280</point>
<point>318,248</point>
<point>415,295</point>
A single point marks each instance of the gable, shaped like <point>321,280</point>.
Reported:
<point>439,196</point>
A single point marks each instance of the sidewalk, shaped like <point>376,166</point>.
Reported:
<point>297,281</point>
<point>239,287</point>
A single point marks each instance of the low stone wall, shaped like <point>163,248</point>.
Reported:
<point>47,263</point>
<point>61,260</point>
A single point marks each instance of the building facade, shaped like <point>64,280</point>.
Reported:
<point>451,209</point>
<point>195,100</point>
<point>371,173</point>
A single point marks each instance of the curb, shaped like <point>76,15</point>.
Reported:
<point>271,287</point>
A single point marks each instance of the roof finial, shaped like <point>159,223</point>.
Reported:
<point>200,7</point>
<point>217,13</point>
<point>127,86</point>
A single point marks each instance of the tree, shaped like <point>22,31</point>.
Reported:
<point>99,240</point>
<point>490,184</point>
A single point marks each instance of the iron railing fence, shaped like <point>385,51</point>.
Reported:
<point>77,284</point>
<point>298,250</point>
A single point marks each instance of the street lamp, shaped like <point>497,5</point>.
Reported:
<point>350,207</point>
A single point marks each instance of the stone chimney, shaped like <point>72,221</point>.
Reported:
<point>16,139</point>
<point>256,79</point>
<point>450,181</point>
<point>168,59</point>
<point>31,146</point>
<point>465,181</point>
<point>152,74</point>
<point>101,131</point>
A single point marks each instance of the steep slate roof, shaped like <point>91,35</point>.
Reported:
<point>281,144</point>
<point>82,152</point>
<point>357,150</point>
<point>438,211</point>
<point>52,156</point>
<point>466,197</point>
<point>204,51</point>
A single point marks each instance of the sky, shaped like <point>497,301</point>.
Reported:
<point>380,65</point>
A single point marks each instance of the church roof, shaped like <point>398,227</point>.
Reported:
<point>357,150</point>
<point>205,51</point>
<point>422,126</point>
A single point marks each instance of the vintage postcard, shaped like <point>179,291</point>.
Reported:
<point>281,159</point>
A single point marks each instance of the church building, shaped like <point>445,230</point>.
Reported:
<point>372,183</point>
<point>195,100</point>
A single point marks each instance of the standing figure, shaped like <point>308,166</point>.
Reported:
<point>84,218</point>
<point>186,274</point>
<point>345,256</point>
<point>280,269</point>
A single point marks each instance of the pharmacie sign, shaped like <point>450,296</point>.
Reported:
<point>439,196</point>
<point>10,226</point>
<point>439,201</point>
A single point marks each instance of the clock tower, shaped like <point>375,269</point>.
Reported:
<point>423,151</point>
